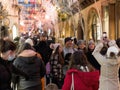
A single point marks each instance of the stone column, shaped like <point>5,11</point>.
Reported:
<point>117,16</point>
<point>112,30</point>
<point>80,31</point>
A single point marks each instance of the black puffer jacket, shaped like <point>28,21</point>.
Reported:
<point>28,62</point>
<point>5,74</point>
<point>6,70</point>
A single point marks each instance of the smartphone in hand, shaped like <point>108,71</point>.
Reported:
<point>104,35</point>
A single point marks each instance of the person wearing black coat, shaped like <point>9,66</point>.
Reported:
<point>43,48</point>
<point>7,53</point>
<point>90,57</point>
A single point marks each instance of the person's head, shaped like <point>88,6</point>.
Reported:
<point>78,58</point>
<point>91,45</point>
<point>103,51</point>
<point>113,52</point>
<point>7,49</point>
<point>81,44</point>
<point>68,42</point>
<point>43,37</point>
<point>30,41</point>
<point>57,47</point>
<point>24,46</point>
<point>51,86</point>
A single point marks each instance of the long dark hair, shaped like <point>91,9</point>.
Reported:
<point>78,58</point>
<point>60,55</point>
<point>6,45</point>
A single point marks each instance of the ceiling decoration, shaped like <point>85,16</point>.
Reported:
<point>45,14</point>
<point>37,14</point>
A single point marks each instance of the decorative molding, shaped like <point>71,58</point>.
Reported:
<point>112,1</point>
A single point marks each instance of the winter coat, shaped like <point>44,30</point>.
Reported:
<point>28,62</point>
<point>43,48</point>
<point>92,60</point>
<point>82,80</point>
<point>5,75</point>
<point>56,70</point>
<point>6,70</point>
<point>109,70</point>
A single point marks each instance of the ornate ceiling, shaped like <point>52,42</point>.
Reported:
<point>46,13</point>
<point>86,3</point>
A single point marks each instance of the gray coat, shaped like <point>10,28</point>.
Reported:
<point>109,70</point>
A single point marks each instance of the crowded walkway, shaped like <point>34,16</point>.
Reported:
<point>37,63</point>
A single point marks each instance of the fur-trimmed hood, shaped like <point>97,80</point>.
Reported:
<point>27,53</point>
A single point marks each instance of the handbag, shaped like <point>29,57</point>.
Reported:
<point>72,84</point>
<point>48,68</point>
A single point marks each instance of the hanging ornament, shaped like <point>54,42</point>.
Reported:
<point>39,1</point>
<point>26,1</point>
<point>32,1</point>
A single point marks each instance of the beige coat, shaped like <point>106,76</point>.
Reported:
<point>109,70</point>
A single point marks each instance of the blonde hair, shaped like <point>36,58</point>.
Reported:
<point>51,86</point>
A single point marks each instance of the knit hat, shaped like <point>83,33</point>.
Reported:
<point>91,42</point>
<point>112,49</point>
<point>54,46</point>
<point>80,42</point>
<point>67,39</point>
<point>111,43</point>
<point>29,41</point>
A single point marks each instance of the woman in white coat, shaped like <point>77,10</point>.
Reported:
<point>109,62</point>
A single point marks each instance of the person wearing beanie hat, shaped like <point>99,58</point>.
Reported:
<point>68,48</point>
<point>54,46</point>
<point>57,62</point>
<point>67,39</point>
<point>91,42</point>
<point>30,41</point>
<point>113,48</point>
<point>90,57</point>
<point>81,45</point>
<point>109,79</point>
<point>67,52</point>
<point>80,42</point>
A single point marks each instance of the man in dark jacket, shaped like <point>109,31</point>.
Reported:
<point>43,48</point>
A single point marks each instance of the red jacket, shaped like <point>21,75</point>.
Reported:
<point>82,80</point>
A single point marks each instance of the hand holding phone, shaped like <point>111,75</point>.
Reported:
<point>104,35</point>
<point>105,38</point>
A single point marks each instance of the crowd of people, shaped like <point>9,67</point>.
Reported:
<point>35,63</point>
